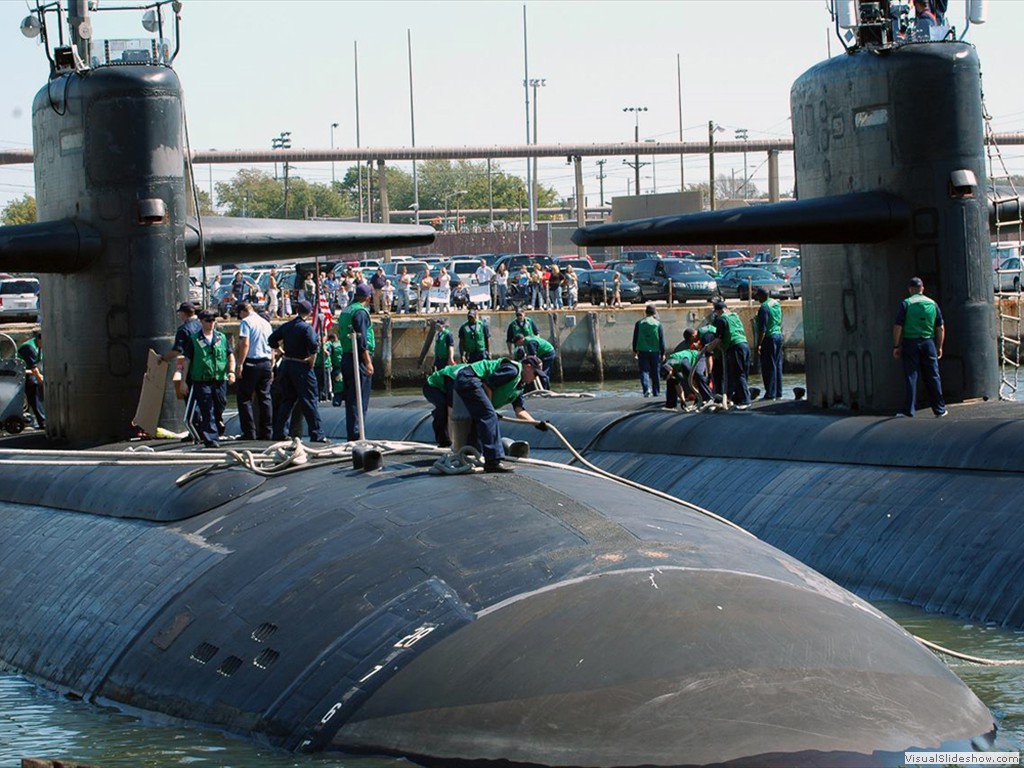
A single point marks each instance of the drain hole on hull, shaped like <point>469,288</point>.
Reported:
<point>266,658</point>
<point>230,666</point>
<point>204,652</point>
<point>263,632</point>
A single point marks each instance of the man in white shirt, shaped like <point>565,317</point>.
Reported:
<point>253,373</point>
<point>484,276</point>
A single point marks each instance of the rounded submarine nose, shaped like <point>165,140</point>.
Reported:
<point>670,667</point>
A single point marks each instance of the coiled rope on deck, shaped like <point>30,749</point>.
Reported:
<point>460,462</point>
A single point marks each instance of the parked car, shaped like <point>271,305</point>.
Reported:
<point>727,259</point>
<point>464,267</point>
<point>513,261</point>
<point>791,264</point>
<point>680,255</point>
<point>416,270</point>
<point>624,268</point>
<point>740,282</point>
<point>639,255</point>
<point>776,269</point>
<point>795,284</point>
<point>576,262</point>
<point>1008,275</point>
<point>688,280</point>
<point>19,298</point>
<point>725,255</point>
<point>595,284</point>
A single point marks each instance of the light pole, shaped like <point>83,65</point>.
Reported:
<point>333,180</point>
<point>741,135</point>
<point>283,141</point>
<point>458,208</point>
<point>712,129</point>
<point>636,137</point>
<point>447,208</point>
<point>535,83</point>
<point>654,168</point>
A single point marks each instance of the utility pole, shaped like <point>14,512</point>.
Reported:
<point>636,164</point>
<point>535,195</point>
<point>286,166</point>
<point>600,178</point>
<point>679,93</point>
<point>741,134</point>
<point>359,165</point>
<point>712,128</point>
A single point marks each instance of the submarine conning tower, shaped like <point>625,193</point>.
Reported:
<point>907,120</point>
<point>889,153</point>
<point>109,152</point>
<point>114,235</point>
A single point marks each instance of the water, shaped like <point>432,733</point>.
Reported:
<point>37,723</point>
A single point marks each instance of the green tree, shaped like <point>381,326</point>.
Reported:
<point>21,211</point>
<point>205,203</point>
<point>258,195</point>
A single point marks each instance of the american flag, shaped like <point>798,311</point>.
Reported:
<point>323,320</point>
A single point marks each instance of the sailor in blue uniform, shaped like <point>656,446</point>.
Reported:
<point>297,380</point>
<point>212,367</point>
<point>31,353</point>
<point>355,319</point>
<point>917,338</point>
<point>487,385</point>
<point>189,327</point>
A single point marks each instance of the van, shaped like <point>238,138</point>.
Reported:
<point>19,298</point>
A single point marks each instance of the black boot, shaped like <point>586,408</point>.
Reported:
<point>495,465</point>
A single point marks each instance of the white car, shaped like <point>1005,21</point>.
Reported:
<point>19,298</point>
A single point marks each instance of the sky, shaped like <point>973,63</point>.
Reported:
<point>254,68</point>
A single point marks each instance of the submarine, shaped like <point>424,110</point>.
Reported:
<point>892,182</point>
<point>348,598</point>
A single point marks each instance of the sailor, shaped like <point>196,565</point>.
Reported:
<point>732,340</point>
<point>649,349</point>
<point>212,368</point>
<point>484,387</point>
<point>295,377</point>
<point>521,325</point>
<point>31,353</point>
<point>253,373</point>
<point>189,326</point>
<point>924,20</point>
<point>337,380</point>
<point>682,366</point>
<point>438,390</point>
<point>917,338</point>
<point>444,344</point>
<point>355,318</point>
<point>474,339</point>
<point>322,370</point>
<point>713,362</point>
<point>536,346</point>
<point>769,344</point>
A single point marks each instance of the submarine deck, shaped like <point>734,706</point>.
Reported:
<point>925,511</point>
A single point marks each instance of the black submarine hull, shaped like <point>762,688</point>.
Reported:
<point>924,511</point>
<point>545,618</point>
